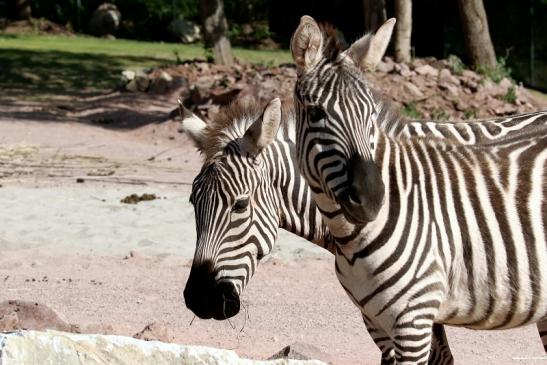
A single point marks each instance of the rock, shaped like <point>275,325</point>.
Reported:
<point>185,30</point>
<point>17,314</point>
<point>52,347</point>
<point>470,75</point>
<point>301,351</point>
<point>506,83</point>
<point>470,84</point>
<point>225,97</point>
<point>9,322</point>
<point>161,83</point>
<point>413,90</point>
<point>132,86</point>
<point>446,76</point>
<point>505,109</point>
<point>196,95</point>
<point>247,29</point>
<point>142,81</point>
<point>105,20</point>
<point>461,105</point>
<point>452,89</point>
<point>403,69</point>
<point>385,67</point>
<point>489,87</point>
<point>155,332</point>
<point>427,70</point>
<point>127,76</point>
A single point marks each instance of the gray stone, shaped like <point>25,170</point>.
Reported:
<point>302,351</point>
<point>18,314</point>
<point>470,84</point>
<point>185,30</point>
<point>403,69</point>
<point>132,86</point>
<point>161,84</point>
<point>413,90</point>
<point>52,347</point>
<point>506,83</point>
<point>471,75</point>
<point>142,81</point>
<point>105,20</point>
<point>453,90</point>
<point>385,67</point>
<point>127,75</point>
<point>446,76</point>
<point>427,70</point>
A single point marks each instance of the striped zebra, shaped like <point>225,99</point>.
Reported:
<point>241,197</point>
<point>428,230</point>
<point>224,162</point>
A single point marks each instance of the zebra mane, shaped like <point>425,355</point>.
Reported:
<point>232,122</point>
<point>332,46</point>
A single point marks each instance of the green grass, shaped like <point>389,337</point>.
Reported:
<point>410,110</point>
<point>49,64</point>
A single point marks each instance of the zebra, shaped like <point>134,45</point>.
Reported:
<point>247,189</point>
<point>218,142</point>
<point>214,286</point>
<point>427,230</point>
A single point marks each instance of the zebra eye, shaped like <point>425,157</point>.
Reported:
<point>240,205</point>
<point>316,114</point>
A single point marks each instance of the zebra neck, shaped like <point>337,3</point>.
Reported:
<point>298,212</point>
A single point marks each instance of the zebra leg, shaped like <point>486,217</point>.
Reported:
<point>542,329</point>
<point>440,351</point>
<point>382,340</point>
<point>412,339</point>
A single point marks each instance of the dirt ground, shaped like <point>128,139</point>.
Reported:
<point>67,242</point>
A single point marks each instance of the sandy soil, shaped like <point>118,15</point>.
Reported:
<point>114,268</point>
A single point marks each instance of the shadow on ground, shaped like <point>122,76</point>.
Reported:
<point>57,86</point>
<point>51,72</point>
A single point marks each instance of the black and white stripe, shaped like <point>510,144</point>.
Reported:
<point>459,236</point>
<point>224,233</point>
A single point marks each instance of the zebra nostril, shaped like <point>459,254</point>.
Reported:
<point>353,197</point>
<point>228,301</point>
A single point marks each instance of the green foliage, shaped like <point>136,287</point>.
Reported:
<point>411,110</point>
<point>510,96</point>
<point>178,59</point>
<point>456,65</point>
<point>262,31</point>
<point>209,55</point>
<point>34,64</point>
<point>143,19</point>
<point>246,11</point>
<point>470,113</point>
<point>496,73</point>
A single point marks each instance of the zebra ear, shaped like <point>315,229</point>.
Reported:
<point>306,44</point>
<point>193,126</point>
<point>263,131</point>
<point>368,51</point>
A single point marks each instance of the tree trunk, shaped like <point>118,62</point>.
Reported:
<point>214,30</point>
<point>403,30</point>
<point>477,35</point>
<point>375,14</point>
<point>20,9</point>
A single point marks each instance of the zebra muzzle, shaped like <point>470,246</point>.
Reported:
<point>207,298</point>
<point>362,199</point>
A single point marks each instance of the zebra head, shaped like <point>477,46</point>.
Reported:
<point>235,207</point>
<point>335,136</point>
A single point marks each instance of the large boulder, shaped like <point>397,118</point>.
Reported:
<point>185,30</point>
<point>18,314</point>
<point>52,347</point>
<point>105,20</point>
